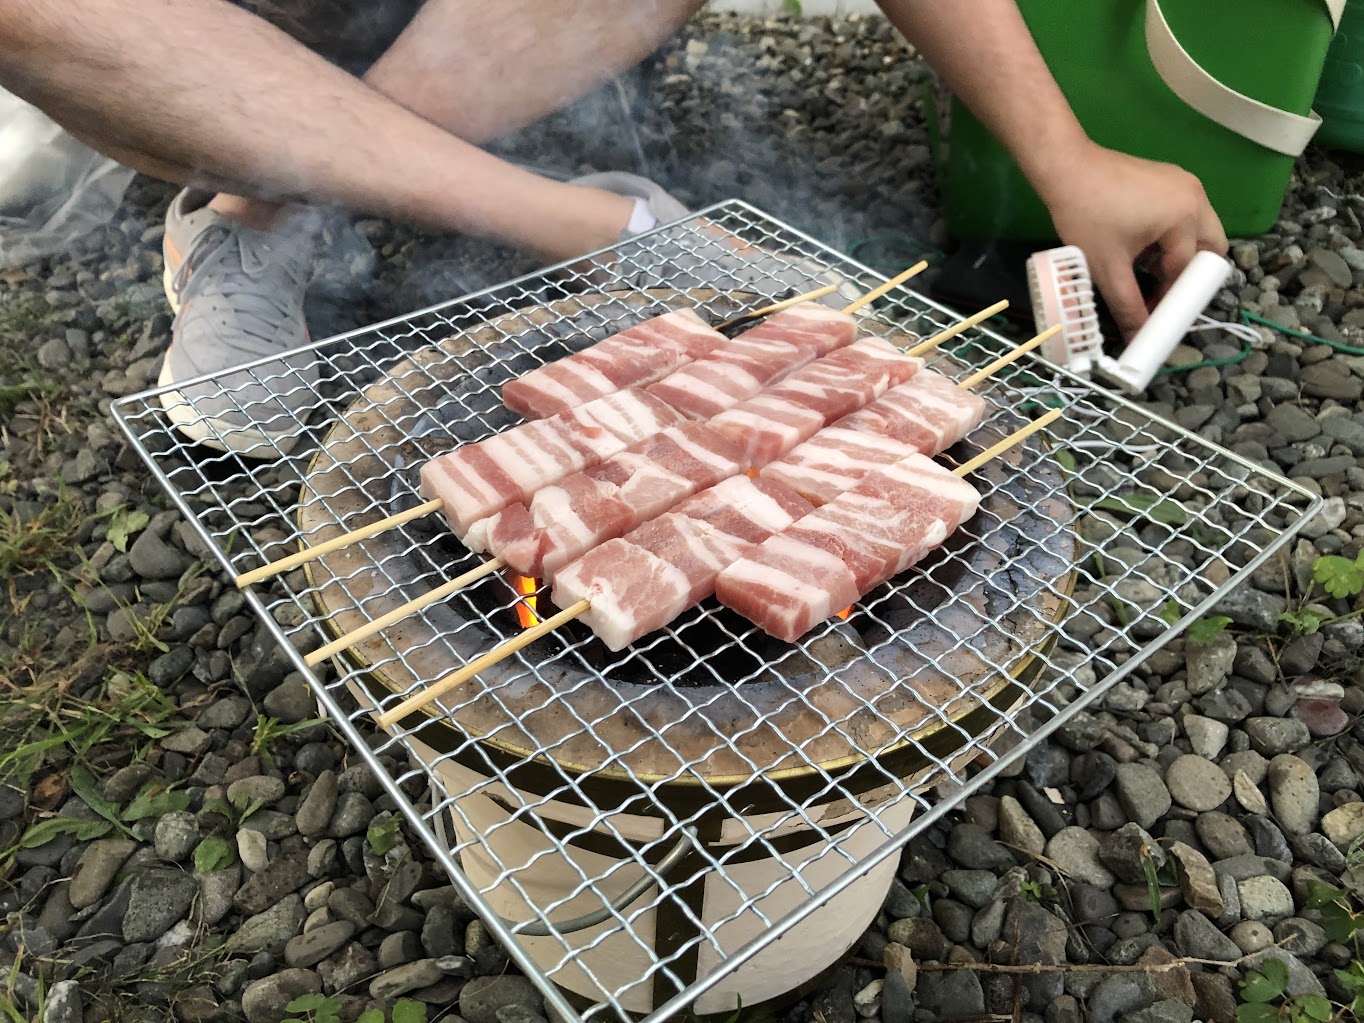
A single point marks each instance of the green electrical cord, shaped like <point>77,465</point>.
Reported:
<point>1291,332</point>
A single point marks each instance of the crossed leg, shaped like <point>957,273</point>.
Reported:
<point>200,92</point>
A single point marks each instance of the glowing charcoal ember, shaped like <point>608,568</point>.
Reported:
<point>930,412</point>
<point>527,612</point>
<point>642,581</point>
<point>640,355</point>
<point>568,519</point>
<point>835,555</point>
<point>773,423</point>
<point>476,480</point>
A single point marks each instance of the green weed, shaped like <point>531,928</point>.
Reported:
<point>270,730</point>
<point>31,545</point>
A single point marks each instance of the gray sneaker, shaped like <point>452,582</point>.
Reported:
<point>705,255</point>
<point>238,297</point>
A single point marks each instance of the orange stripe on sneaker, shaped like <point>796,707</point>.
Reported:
<point>170,253</point>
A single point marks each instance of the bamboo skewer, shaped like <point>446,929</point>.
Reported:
<point>1009,357</point>
<point>960,327</point>
<point>336,543</point>
<point>457,678</point>
<point>302,557</point>
<point>881,289</point>
<point>777,307</point>
<point>414,605</point>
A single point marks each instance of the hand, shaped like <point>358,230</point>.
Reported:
<point>1117,208</point>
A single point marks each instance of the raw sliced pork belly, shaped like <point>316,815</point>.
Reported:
<point>774,422</point>
<point>635,357</point>
<point>569,518</point>
<point>761,355</point>
<point>642,581</point>
<point>930,412</point>
<point>476,480</point>
<point>835,555</point>
<point>808,322</point>
<point>729,375</point>
<point>835,460</point>
<point>928,415</point>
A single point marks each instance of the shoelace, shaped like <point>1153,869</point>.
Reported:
<point>256,257</point>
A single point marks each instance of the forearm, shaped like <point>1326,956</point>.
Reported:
<point>201,84</point>
<point>984,52</point>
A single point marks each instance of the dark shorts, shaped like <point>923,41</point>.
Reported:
<point>349,33</point>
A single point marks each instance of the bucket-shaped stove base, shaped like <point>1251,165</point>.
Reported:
<point>736,907</point>
<point>534,857</point>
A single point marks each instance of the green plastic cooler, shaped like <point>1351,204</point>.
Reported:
<point>1222,88</point>
<point>1340,97</point>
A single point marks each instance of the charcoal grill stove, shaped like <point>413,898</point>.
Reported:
<point>708,814</point>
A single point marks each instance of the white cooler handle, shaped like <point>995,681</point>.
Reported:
<point>1280,130</point>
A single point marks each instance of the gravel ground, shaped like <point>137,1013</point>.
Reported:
<point>194,844</point>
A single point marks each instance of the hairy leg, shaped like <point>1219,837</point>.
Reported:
<point>199,86</point>
<point>481,70</point>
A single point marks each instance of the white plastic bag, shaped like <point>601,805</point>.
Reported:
<point>53,189</point>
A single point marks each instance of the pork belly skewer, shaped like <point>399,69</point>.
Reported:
<point>700,538</point>
<point>652,350</point>
<point>663,582</point>
<point>568,519</point>
<point>571,440</point>
<point>886,424</point>
<point>927,415</point>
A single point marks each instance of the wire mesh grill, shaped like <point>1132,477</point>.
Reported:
<point>709,814</point>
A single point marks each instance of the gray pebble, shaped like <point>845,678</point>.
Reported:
<point>95,870</point>
<point>952,994</point>
<point>176,835</point>
<point>270,930</point>
<point>1272,736</point>
<point>1196,783</point>
<point>480,999</point>
<point>158,899</point>
<point>398,948</point>
<point>315,812</point>
<point>153,558</point>
<point>258,790</point>
<point>1293,793</point>
<point>1142,793</point>
<point>264,1000</point>
<point>216,889</point>
<point>311,947</point>
<point>291,701</point>
<point>352,815</point>
<point>1265,898</point>
<point>1199,938</point>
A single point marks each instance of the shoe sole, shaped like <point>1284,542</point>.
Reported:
<point>217,434</point>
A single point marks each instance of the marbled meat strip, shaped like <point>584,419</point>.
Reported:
<point>929,414</point>
<point>563,521</point>
<point>635,357</point>
<point>642,581</point>
<point>476,480</point>
<point>772,423</point>
<point>758,357</point>
<point>835,555</point>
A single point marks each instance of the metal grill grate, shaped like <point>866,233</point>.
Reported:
<point>666,827</point>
